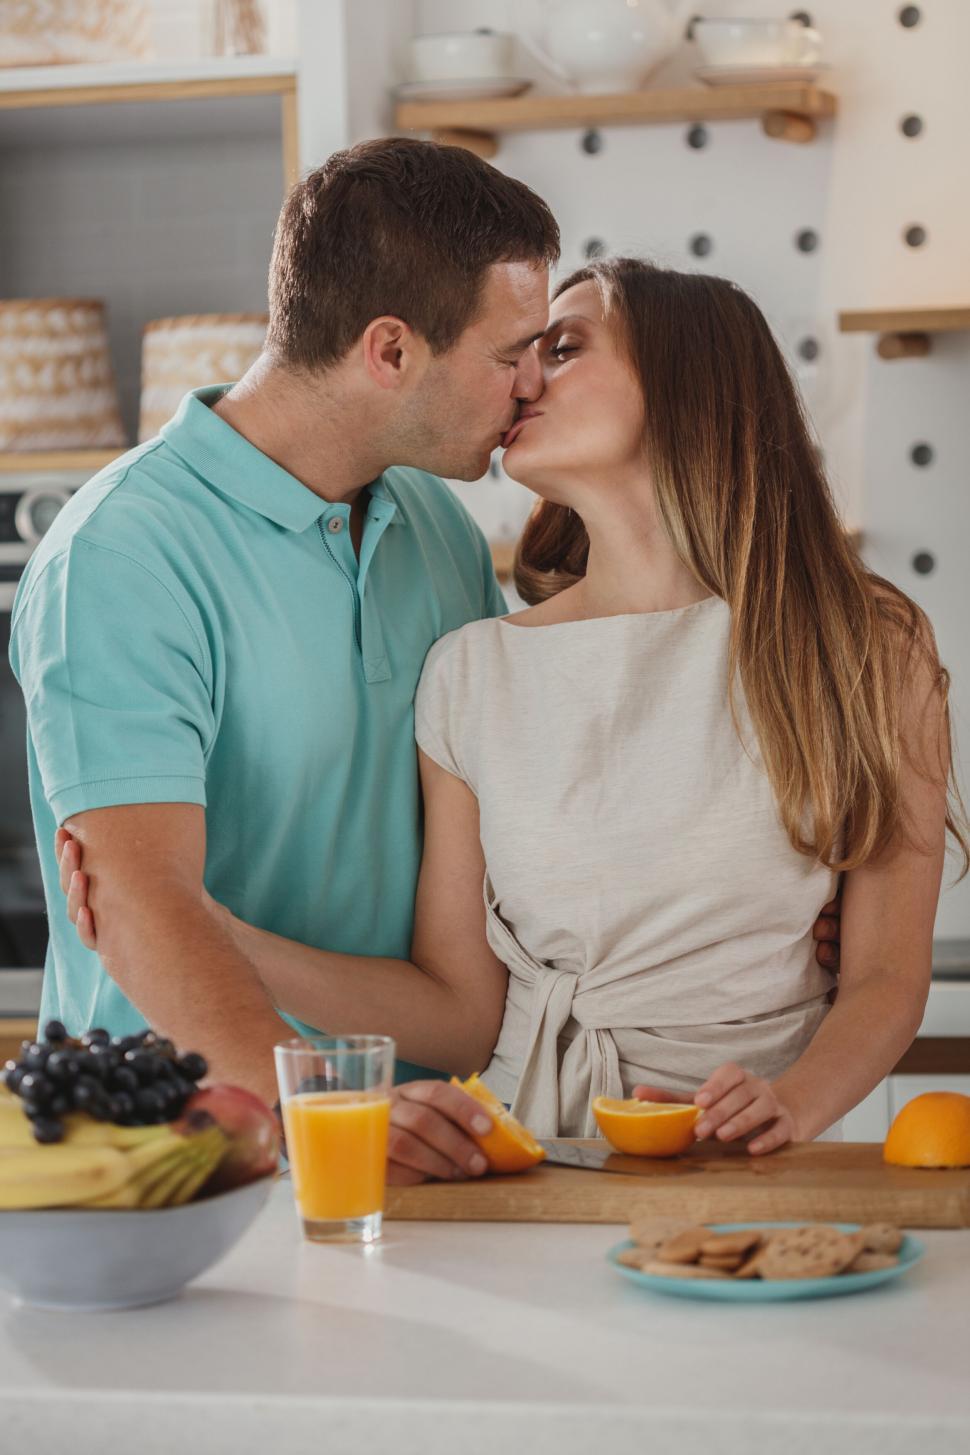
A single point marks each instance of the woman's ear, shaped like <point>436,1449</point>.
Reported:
<point>391,351</point>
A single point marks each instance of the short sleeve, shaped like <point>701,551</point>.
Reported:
<point>434,714</point>
<point>115,680</point>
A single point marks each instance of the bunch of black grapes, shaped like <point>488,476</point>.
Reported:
<point>133,1080</point>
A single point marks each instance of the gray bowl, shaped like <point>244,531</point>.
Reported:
<point>89,1259</point>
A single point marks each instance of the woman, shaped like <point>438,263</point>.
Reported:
<point>659,770</point>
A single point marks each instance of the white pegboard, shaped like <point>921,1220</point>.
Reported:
<point>859,186</point>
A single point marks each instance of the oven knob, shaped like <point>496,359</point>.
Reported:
<point>36,512</point>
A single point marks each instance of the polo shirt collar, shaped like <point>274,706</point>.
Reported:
<point>237,469</point>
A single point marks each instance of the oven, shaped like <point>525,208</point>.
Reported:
<point>29,501</point>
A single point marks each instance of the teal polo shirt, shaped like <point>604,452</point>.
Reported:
<point>197,628</point>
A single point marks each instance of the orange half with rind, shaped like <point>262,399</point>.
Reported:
<point>932,1130</point>
<point>509,1146</point>
<point>646,1128</point>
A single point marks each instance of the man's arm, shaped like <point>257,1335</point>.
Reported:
<point>444,1006</point>
<point>167,947</point>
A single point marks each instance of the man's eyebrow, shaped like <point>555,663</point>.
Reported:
<point>522,344</point>
<point>561,323</point>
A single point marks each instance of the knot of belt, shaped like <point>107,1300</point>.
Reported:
<point>550,1095</point>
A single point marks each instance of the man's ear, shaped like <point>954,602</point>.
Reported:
<point>391,351</point>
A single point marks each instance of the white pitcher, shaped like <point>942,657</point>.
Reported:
<point>599,46</point>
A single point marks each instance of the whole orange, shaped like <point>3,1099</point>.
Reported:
<point>932,1130</point>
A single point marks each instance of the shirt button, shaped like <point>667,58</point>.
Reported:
<point>335,526</point>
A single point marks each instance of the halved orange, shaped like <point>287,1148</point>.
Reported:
<point>932,1130</point>
<point>509,1146</point>
<point>646,1128</point>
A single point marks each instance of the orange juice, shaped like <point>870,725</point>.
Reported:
<point>336,1142</point>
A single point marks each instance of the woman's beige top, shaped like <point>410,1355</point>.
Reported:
<point>653,915</point>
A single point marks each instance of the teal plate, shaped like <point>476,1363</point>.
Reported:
<point>758,1290</point>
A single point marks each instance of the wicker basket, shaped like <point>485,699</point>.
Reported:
<point>51,32</point>
<point>179,354</point>
<point>57,387</point>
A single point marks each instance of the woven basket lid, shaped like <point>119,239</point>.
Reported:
<point>57,386</point>
<point>54,32</point>
<point>179,354</point>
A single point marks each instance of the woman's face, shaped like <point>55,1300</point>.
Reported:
<point>586,428</point>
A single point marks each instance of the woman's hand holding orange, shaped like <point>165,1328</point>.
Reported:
<point>735,1103</point>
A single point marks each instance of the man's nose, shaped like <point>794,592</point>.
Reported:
<point>528,383</point>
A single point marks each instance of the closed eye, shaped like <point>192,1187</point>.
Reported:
<point>561,350</point>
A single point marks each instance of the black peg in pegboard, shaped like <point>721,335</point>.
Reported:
<point>802,16</point>
<point>915,236</point>
<point>594,247</point>
<point>910,16</point>
<point>701,245</point>
<point>806,240</point>
<point>923,563</point>
<point>922,454</point>
<point>591,142</point>
<point>808,349</point>
<point>911,125</point>
<point>697,137</point>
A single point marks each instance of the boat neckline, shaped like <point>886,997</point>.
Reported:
<point>705,601</point>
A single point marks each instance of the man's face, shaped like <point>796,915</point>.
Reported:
<point>469,396</point>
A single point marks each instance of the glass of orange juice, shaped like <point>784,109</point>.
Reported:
<point>335,1093</point>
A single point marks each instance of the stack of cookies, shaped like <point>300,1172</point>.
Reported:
<point>670,1249</point>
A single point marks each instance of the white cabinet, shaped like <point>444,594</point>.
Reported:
<point>903,1088</point>
<point>870,1120</point>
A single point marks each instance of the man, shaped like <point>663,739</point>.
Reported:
<point>220,638</point>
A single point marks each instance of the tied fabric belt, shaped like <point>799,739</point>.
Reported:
<point>549,1095</point>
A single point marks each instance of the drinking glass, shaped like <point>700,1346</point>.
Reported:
<point>335,1094</point>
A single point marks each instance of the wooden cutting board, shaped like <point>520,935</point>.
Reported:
<point>810,1181</point>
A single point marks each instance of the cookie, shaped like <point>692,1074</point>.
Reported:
<point>752,1267</point>
<point>685,1247</point>
<point>866,1262</point>
<point>634,1257</point>
<point>652,1233</point>
<point>882,1238</point>
<point>809,1252</point>
<point>682,1270</point>
<point>723,1245</point>
<point>728,1264</point>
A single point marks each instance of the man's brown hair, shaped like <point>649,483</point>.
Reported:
<point>399,227</point>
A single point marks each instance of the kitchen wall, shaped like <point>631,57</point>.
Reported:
<point>156,224</point>
<point>856,189</point>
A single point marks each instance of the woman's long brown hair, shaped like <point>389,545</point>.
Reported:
<point>824,650</point>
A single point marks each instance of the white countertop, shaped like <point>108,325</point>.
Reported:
<point>476,1338</point>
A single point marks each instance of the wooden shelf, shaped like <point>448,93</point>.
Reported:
<point>30,86</point>
<point>42,89</point>
<point>44,461</point>
<point>788,112</point>
<point>905,333</point>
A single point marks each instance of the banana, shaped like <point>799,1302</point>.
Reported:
<point>80,1130</point>
<point>145,1165</point>
<point>162,1169</point>
<point>14,1127</point>
<point>59,1176</point>
<point>84,1131</point>
<point>183,1181</point>
<point>168,1190</point>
